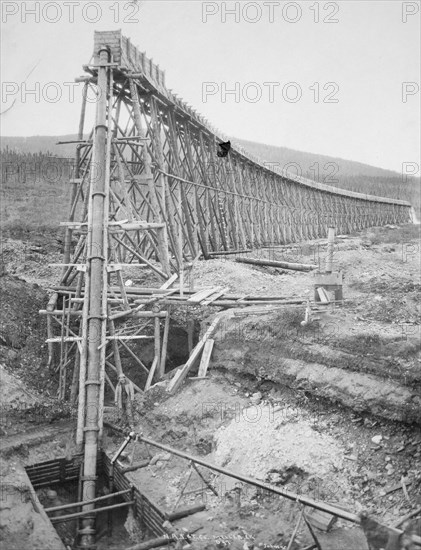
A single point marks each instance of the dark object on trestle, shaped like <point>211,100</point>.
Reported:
<point>224,149</point>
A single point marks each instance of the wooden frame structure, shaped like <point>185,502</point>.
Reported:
<point>169,200</point>
<point>178,199</point>
<point>150,193</point>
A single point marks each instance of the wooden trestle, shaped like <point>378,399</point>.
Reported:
<point>150,192</point>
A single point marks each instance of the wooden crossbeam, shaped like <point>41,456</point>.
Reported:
<point>180,375</point>
<point>204,363</point>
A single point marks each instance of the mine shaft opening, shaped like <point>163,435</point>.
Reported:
<point>122,514</point>
<point>183,335</point>
<point>110,530</point>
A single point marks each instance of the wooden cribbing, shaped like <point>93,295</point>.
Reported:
<point>182,373</point>
<point>271,263</point>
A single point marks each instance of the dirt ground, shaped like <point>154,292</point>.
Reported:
<point>324,391</point>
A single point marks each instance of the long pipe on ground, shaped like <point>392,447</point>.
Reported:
<point>343,514</point>
<point>272,263</point>
<point>349,516</point>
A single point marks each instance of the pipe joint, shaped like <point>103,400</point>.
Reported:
<point>106,49</point>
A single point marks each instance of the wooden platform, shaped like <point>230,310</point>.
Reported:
<point>127,55</point>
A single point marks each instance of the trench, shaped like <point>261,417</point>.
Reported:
<point>227,365</point>
<point>131,516</point>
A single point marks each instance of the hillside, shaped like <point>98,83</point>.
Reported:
<point>34,194</point>
<point>337,172</point>
<point>271,153</point>
<point>284,155</point>
<point>41,144</point>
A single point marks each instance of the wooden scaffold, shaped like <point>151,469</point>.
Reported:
<point>150,197</point>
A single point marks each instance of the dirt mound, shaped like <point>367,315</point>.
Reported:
<point>246,279</point>
<point>29,259</point>
<point>19,317</point>
<point>14,393</point>
<point>23,332</point>
<point>261,442</point>
<point>270,347</point>
<point>24,524</point>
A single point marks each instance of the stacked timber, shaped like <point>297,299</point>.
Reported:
<point>215,296</point>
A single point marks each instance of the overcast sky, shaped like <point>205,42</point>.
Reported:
<point>337,70</point>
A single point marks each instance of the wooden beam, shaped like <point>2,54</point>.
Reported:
<point>176,382</point>
<point>204,363</point>
<point>271,263</point>
<point>151,373</point>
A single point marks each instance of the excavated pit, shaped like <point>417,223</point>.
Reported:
<point>54,483</point>
<point>335,390</point>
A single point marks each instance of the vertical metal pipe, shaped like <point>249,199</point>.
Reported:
<point>105,249</point>
<point>330,243</point>
<point>96,259</point>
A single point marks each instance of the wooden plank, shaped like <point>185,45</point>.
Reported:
<point>151,373</point>
<point>161,370</point>
<point>204,363</point>
<point>202,294</point>
<point>175,378</point>
<point>322,295</point>
<point>175,383</point>
<point>214,297</point>
<point>322,520</point>
<point>170,281</point>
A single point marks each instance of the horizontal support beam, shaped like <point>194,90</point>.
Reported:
<point>78,504</point>
<point>68,517</point>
